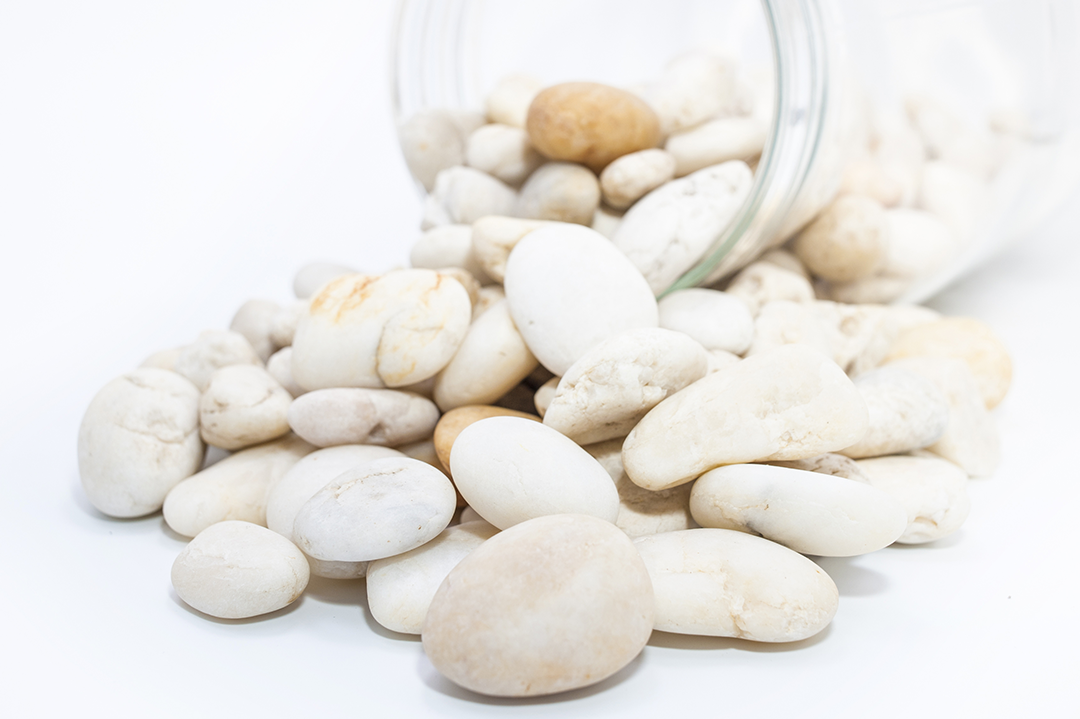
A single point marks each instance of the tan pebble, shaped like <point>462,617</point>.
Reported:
<point>453,422</point>
<point>847,241</point>
<point>590,123</point>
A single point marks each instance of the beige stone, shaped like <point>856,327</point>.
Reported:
<point>631,177</point>
<point>508,102</point>
<point>349,415</point>
<point>906,411</point>
<point>560,192</point>
<point>847,241</point>
<point>502,151</point>
<point>243,405</point>
<point>762,282</point>
<point>933,492</point>
<point>716,141</point>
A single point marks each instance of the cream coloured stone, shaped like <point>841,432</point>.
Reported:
<point>529,613</point>
<point>859,335</point>
<point>762,282</point>
<point>448,246</point>
<point>456,420</point>
<point>810,512</point>
<point>719,582</point>
<point>489,296</point>
<point>847,241</point>
<point>348,415</point>
<point>400,588</point>
<point>508,102</point>
<point>836,465</point>
<point>280,368</point>
<point>613,385</point>
<point>865,176</point>
<point>782,322</point>
<point>466,280</point>
<point>310,278</point>
<point>641,511</point>
<point>492,359</point>
<point>666,232</point>
<point>283,327</point>
<point>243,405</point>
<point>907,412</point>
<point>544,394</point>
<point>567,480</point>
<point>716,141</point>
<point>302,480</point>
<point>494,237</point>
<point>255,321</point>
<point>431,142</point>
<point>971,438</point>
<point>376,510</point>
<point>789,403</point>
<point>540,271</point>
<point>162,359</point>
<point>919,243</point>
<point>932,490</point>
<point>963,338</point>
<point>785,259</point>
<point>631,177</point>
<point>560,192</point>
<point>388,331</point>
<point>213,350</point>
<point>138,438</point>
<point>235,570</point>
<point>693,88</point>
<point>606,221</point>
<point>234,488</point>
<point>716,319</point>
<point>462,195</point>
<point>503,152</point>
<point>905,316</point>
<point>877,289</point>
<point>424,451</point>
<point>720,359</point>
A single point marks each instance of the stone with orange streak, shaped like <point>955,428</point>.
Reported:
<point>380,331</point>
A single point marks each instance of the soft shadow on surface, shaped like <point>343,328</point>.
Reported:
<point>250,620</point>
<point>337,591</point>
<point>380,629</point>
<point>79,499</point>
<point>851,579</point>
<point>669,640</point>
<point>437,682</point>
<point>168,532</point>
<point>944,543</point>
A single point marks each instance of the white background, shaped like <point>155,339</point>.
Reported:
<point>162,162</point>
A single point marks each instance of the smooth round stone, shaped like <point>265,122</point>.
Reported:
<point>783,322</point>
<point>492,359</point>
<point>966,339</point>
<point>932,490</point>
<point>613,385</point>
<point>508,102</point>
<point>400,588</point>
<point>255,321</point>
<point>376,510</point>
<point>569,289</point>
<point>241,406</point>
<point>234,488</point>
<point>530,613</point>
<point>787,403</point>
<point>762,282</point>
<point>280,368</point>
<point>372,331</point>
<point>907,412</point>
<point>138,439</point>
<point>847,241</point>
<point>502,151</point>
<point>213,350</point>
<point>632,176</point>
<point>350,415</point>
<point>456,420</point>
<point>809,512</point>
<point>716,141</point>
<point>717,320</point>
<point>511,469</point>
<point>234,570</point>
<point>560,192</point>
<point>642,511</point>
<point>723,583</point>
<point>668,230</point>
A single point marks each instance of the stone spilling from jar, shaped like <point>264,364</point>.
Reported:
<point>457,432</point>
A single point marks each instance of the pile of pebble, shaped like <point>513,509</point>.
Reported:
<point>533,461</point>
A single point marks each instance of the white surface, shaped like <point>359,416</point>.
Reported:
<point>162,162</point>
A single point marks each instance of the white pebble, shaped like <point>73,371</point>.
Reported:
<point>716,141</point>
<point>503,152</point>
<point>280,368</point>
<point>560,192</point>
<point>348,415</point>
<point>907,412</point>
<point>932,490</point>
<point>631,177</point>
<point>508,102</point>
<point>255,321</point>
<point>241,406</point>
<point>431,142</point>
<point>494,237</point>
<point>716,319</point>
<point>448,246</point>
<point>310,278</point>
<point>762,282</point>
<point>213,350</point>
<point>462,195</point>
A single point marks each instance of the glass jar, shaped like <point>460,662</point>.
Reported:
<point>965,110</point>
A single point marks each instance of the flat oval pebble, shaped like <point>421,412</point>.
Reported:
<point>809,512</point>
<point>716,141</point>
<point>613,385</point>
<point>349,415</point>
<point>787,403</point>
<point>376,510</point>
<point>717,320</point>
<point>632,176</point>
<point>932,490</point>
<point>234,488</point>
<point>400,588</point>
<point>243,405</point>
<point>511,469</point>
<point>138,439</point>
<point>907,412</point>
<point>456,420</point>
<point>723,583</point>
<point>235,570</point>
<point>530,613</point>
<point>672,227</point>
<point>388,331</point>
<point>556,271</point>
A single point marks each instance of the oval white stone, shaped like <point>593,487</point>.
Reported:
<point>511,469</point>
<point>241,406</point>
<point>234,570</point>
<point>556,271</point>
<point>906,411</point>
<point>932,490</point>
<point>717,320</point>
<point>349,415</point>
<point>719,582</point>
<point>809,512</point>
